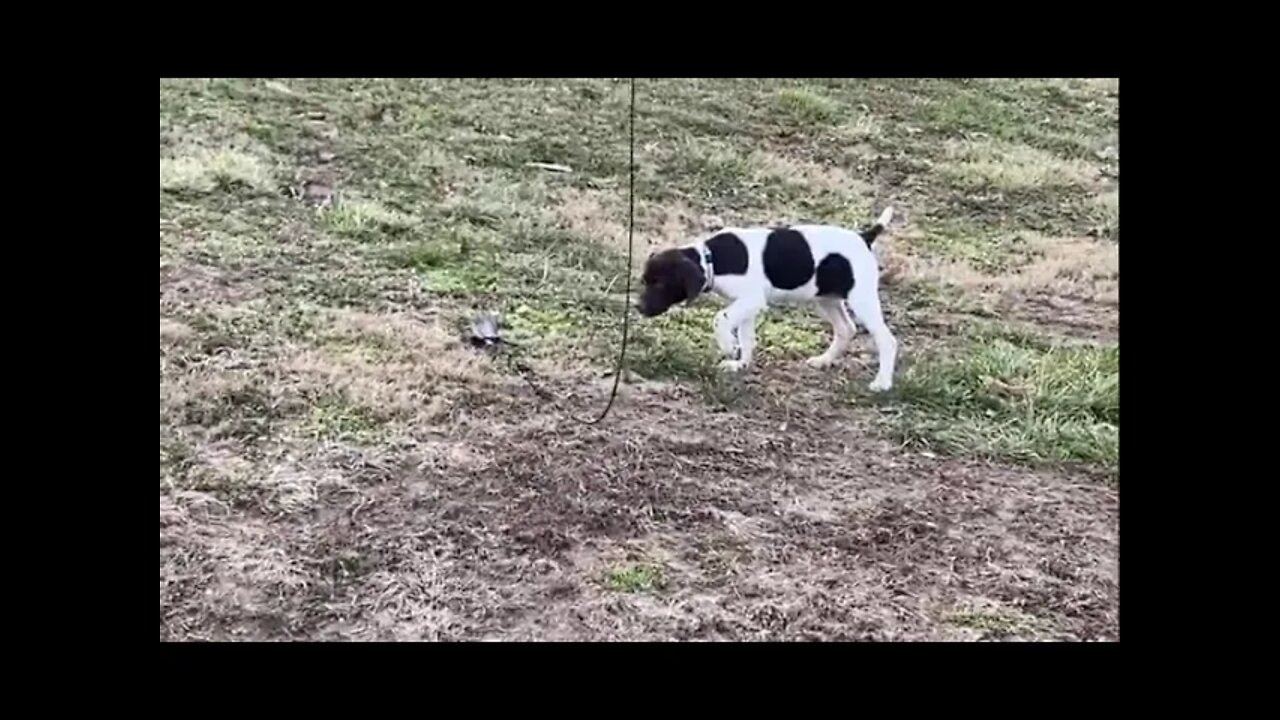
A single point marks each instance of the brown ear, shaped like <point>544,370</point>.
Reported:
<point>691,276</point>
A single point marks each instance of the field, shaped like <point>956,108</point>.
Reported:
<point>336,463</point>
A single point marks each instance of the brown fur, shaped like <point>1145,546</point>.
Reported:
<point>670,277</point>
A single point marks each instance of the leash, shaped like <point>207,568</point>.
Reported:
<point>490,338</point>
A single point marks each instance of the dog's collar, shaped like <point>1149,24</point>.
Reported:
<point>708,269</point>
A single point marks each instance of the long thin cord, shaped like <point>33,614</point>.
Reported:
<point>631,231</point>
<point>525,371</point>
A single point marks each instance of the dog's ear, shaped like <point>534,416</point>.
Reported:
<point>691,278</point>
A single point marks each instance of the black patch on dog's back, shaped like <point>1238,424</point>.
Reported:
<point>834,276</point>
<point>788,261</point>
<point>728,254</point>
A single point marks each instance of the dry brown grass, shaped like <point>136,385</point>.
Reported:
<point>396,368</point>
<point>673,222</point>
<point>771,166</point>
<point>201,169</point>
<point>1109,203</point>
<point>861,128</point>
<point>173,332</point>
<point>1081,88</point>
<point>1010,166</point>
<point>814,180</point>
<point>593,215</point>
<point>600,216</point>
<point>223,566</point>
<point>1076,267</point>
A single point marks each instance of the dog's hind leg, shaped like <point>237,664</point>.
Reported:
<point>842,331</point>
<point>865,303</point>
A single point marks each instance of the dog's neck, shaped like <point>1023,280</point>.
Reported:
<point>701,254</point>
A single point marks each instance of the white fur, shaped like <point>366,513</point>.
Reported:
<point>752,293</point>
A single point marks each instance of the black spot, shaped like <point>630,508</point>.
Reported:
<point>870,234</point>
<point>788,262</point>
<point>728,254</point>
<point>834,276</point>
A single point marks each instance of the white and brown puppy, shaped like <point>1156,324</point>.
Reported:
<point>831,267</point>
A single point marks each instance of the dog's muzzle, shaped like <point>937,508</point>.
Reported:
<point>648,308</point>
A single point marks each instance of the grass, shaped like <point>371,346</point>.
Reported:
<point>994,624</point>
<point>311,351</point>
<point>1013,167</point>
<point>205,170</point>
<point>335,418</point>
<point>1009,396</point>
<point>452,211</point>
<point>365,220</point>
<point>807,105</point>
<point>982,251</point>
<point>635,578</point>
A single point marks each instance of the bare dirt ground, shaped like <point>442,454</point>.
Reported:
<point>336,465</point>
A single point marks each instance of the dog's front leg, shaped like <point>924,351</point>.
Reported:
<point>736,326</point>
<point>726,335</point>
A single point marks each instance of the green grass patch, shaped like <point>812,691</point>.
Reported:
<point>790,333</point>
<point>672,349</point>
<point>995,624</point>
<point>984,250</point>
<point>336,419</point>
<point>1016,397</point>
<point>965,107</point>
<point>636,578</point>
<point>678,346</point>
<point>365,220</point>
<point>806,105</point>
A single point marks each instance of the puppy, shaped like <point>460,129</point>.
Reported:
<point>831,267</point>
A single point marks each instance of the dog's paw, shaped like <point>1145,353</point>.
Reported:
<point>732,366</point>
<point>818,361</point>
<point>880,385</point>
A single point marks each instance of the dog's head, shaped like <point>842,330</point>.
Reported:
<point>670,277</point>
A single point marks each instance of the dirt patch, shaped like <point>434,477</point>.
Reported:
<point>1069,316</point>
<point>183,285</point>
<point>829,536</point>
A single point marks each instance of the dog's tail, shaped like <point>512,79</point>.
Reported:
<point>870,234</point>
